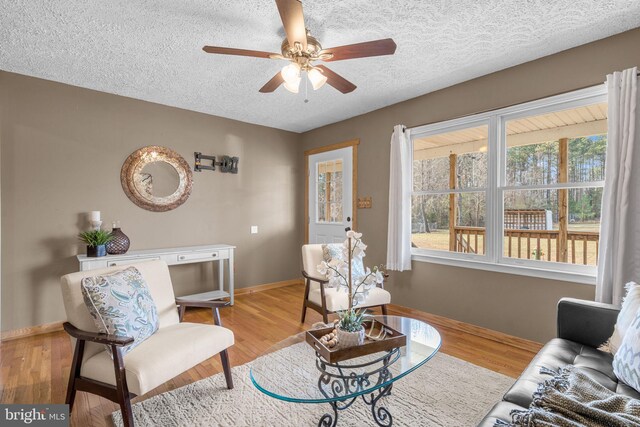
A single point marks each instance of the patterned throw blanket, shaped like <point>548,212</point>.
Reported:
<point>572,399</point>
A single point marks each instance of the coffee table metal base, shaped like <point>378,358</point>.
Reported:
<point>381,415</point>
<point>334,381</point>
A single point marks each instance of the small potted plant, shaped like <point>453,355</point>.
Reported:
<point>96,241</point>
<point>342,275</point>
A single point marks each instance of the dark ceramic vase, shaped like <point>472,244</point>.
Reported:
<point>96,251</point>
<point>119,244</point>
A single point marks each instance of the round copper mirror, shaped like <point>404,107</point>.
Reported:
<point>156,178</point>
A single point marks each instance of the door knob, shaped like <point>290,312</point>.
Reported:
<point>348,219</point>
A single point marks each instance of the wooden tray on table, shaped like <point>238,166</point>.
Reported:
<point>393,340</point>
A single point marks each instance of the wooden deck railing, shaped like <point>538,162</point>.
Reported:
<point>582,246</point>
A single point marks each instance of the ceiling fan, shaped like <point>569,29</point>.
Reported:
<point>302,50</point>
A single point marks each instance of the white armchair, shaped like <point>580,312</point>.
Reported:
<point>325,300</point>
<point>174,348</point>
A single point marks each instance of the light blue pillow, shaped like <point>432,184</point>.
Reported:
<point>333,251</point>
<point>121,304</point>
<point>626,362</point>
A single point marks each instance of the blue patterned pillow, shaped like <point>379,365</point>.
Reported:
<point>626,362</point>
<point>333,251</point>
<point>121,304</point>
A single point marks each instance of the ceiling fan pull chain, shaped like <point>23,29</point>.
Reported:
<point>306,90</point>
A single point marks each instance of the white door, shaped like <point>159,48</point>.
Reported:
<point>330,195</point>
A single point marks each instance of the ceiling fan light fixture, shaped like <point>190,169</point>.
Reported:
<point>316,78</point>
<point>292,87</point>
<point>291,74</point>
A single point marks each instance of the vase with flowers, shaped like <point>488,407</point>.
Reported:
<point>356,283</point>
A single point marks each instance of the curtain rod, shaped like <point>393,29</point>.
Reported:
<point>504,106</point>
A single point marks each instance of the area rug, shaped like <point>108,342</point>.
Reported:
<point>445,391</point>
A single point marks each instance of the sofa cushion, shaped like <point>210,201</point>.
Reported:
<point>121,304</point>
<point>558,353</point>
<point>149,365</point>
<point>500,411</point>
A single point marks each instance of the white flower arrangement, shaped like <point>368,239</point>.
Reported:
<point>342,275</point>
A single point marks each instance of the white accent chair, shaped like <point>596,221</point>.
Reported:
<point>325,300</point>
<point>174,348</point>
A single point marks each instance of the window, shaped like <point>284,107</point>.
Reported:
<point>449,189</point>
<point>517,189</point>
<point>329,191</point>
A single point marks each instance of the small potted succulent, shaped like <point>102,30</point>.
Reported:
<point>96,241</point>
<point>342,275</point>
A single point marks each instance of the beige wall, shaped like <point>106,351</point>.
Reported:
<point>62,150</point>
<point>517,305</point>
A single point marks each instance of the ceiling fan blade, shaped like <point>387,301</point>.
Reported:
<point>336,80</point>
<point>293,21</point>
<point>272,84</point>
<point>362,50</point>
<point>240,52</point>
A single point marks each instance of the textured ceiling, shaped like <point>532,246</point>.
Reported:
<point>151,50</point>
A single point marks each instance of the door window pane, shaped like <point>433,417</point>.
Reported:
<point>329,202</point>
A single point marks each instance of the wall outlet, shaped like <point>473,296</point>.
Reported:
<point>254,229</point>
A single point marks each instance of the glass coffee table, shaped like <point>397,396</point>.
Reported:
<point>291,371</point>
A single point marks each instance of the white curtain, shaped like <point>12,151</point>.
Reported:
<point>399,232</point>
<point>619,260</point>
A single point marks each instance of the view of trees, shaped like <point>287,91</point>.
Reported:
<point>534,164</point>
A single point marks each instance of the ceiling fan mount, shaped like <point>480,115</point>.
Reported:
<point>313,52</point>
<point>302,50</point>
<point>303,57</point>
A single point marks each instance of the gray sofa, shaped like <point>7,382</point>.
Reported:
<point>582,327</point>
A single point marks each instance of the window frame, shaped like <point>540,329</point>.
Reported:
<point>494,259</point>
<point>485,190</point>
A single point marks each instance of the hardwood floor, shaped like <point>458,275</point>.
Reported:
<point>35,369</point>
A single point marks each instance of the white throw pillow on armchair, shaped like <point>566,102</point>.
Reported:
<point>630,308</point>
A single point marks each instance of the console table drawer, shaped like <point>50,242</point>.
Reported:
<point>202,256</point>
<point>120,262</point>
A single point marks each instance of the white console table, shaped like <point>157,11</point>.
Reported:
<point>176,256</point>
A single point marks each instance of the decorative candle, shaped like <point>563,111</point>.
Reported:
<point>94,216</point>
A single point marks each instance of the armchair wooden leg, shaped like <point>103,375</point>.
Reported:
<point>226,366</point>
<point>384,309</point>
<point>304,301</point>
<point>122,390</point>
<point>325,317</point>
<point>74,373</point>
